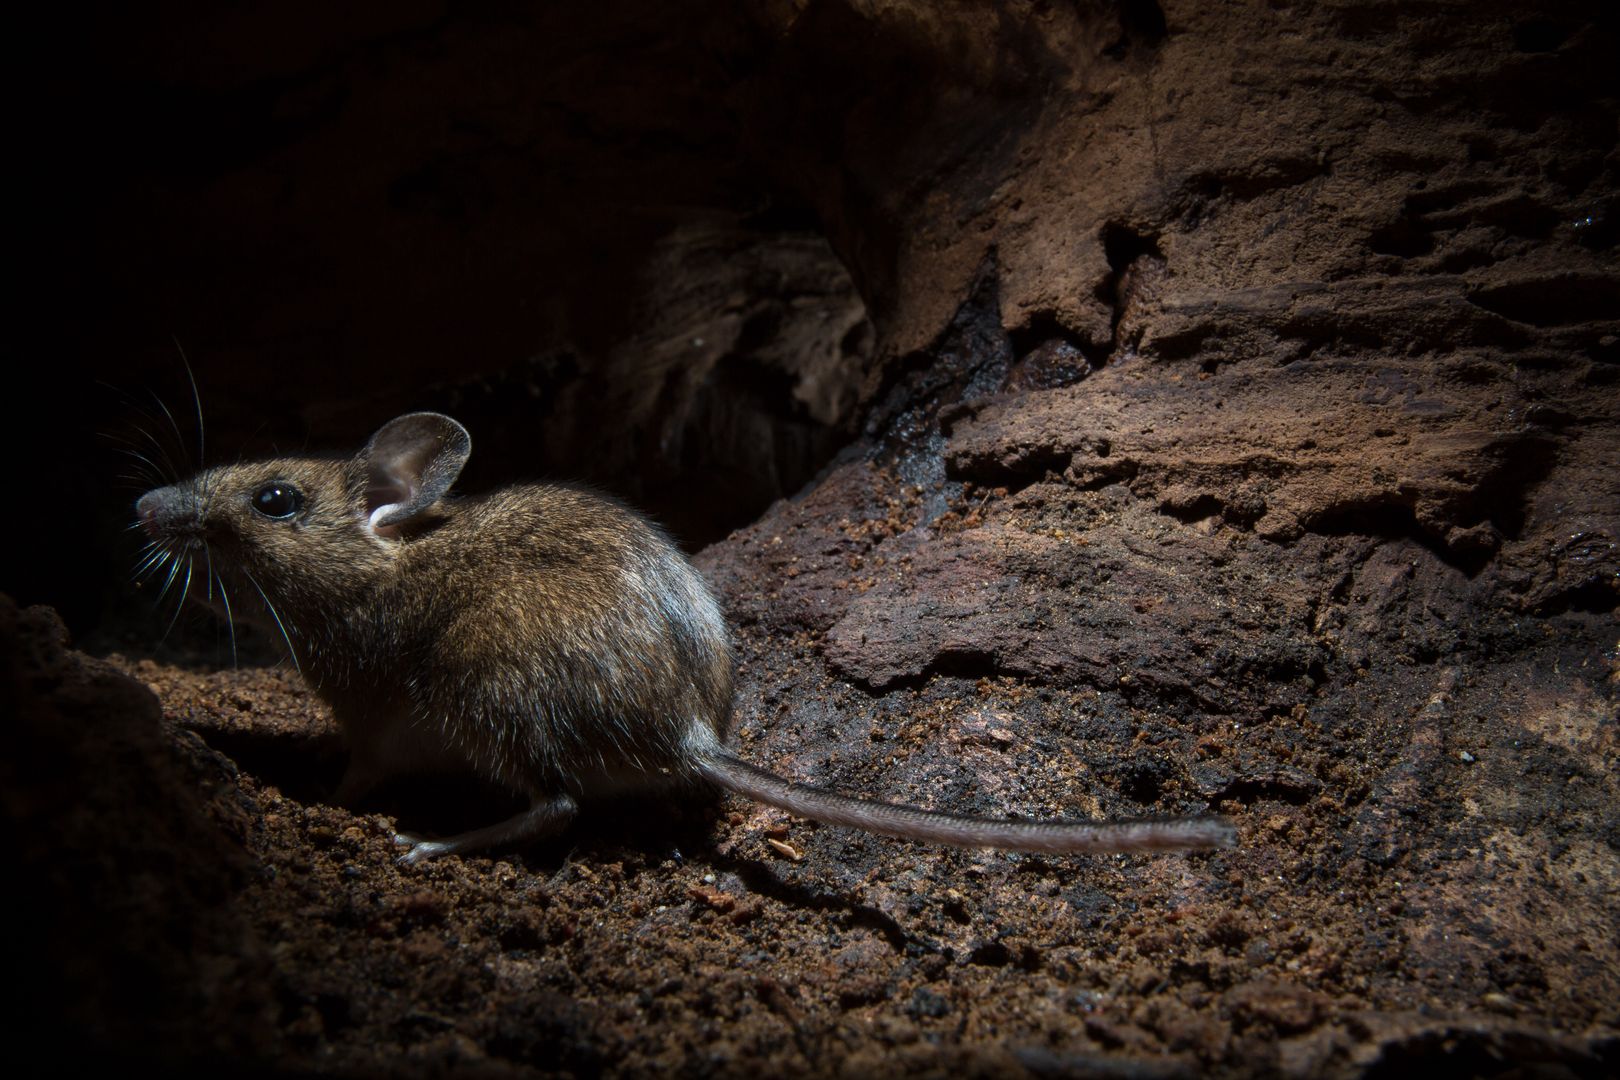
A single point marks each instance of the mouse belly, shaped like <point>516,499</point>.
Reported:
<point>385,740</point>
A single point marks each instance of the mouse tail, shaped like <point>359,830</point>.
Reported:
<point>915,823</point>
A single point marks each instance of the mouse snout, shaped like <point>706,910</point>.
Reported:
<point>165,510</point>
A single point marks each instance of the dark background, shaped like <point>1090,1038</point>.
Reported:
<point>590,232</point>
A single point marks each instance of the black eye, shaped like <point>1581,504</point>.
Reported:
<point>279,500</point>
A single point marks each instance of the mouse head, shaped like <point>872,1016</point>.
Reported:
<point>307,531</point>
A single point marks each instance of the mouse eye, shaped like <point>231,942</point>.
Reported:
<point>279,500</point>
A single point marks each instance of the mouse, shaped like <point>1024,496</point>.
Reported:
<point>547,638</point>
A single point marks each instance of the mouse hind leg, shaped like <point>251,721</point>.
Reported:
<point>546,817</point>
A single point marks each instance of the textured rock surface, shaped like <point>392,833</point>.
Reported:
<point>128,839</point>
<point>1228,403</point>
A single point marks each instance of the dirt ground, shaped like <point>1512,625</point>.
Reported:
<point>1236,430</point>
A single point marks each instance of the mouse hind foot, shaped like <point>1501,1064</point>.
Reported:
<point>546,817</point>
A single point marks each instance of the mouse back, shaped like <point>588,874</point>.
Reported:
<point>565,636</point>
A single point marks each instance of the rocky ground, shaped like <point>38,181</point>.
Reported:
<point>1235,429</point>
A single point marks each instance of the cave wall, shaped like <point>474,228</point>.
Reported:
<point>681,253</point>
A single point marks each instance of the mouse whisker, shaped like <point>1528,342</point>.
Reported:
<point>230,620</point>
<point>150,474</point>
<point>174,570</point>
<point>196,400</point>
<point>292,652</point>
<point>137,482</point>
<point>191,567</point>
<point>136,427</point>
<point>180,604</point>
<point>174,426</point>
<point>151,560</point>
<point>170,471</point>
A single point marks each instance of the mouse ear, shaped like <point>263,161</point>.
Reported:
<point>410,463</point>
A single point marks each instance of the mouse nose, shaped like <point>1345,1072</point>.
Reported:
<point>160,509</point>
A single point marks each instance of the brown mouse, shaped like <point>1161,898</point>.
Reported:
<point>543,637</point>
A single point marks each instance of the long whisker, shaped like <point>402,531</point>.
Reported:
<point>129,450</point>
<point>152,470</point>
<point>174,425</point>
<point>174,568</point>
<point>180,604</point>
<point>196,399</point>
<point>129,404</point>
<point>230,620</point>
<point>156,443</point>
<point>151,560</point>
<point>292,652</point>
<point>145,575</point>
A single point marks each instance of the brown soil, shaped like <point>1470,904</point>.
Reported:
<point>1235,429</point>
